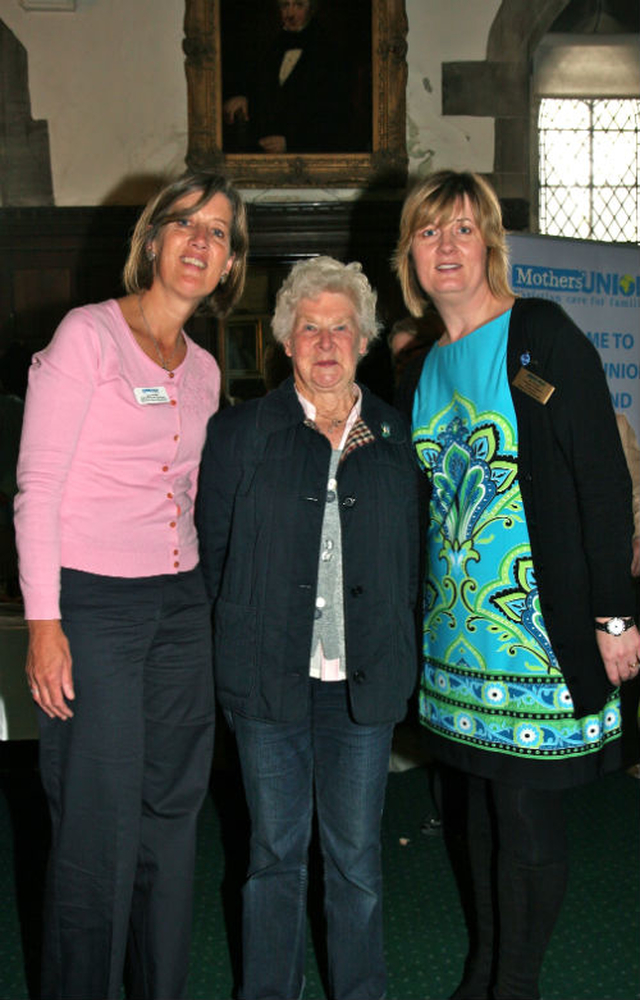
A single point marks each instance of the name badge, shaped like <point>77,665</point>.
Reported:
<point>534,386</point>
<point>154,394</point>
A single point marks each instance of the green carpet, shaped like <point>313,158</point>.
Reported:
<point>594,953</point>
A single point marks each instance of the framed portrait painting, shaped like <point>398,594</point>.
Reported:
<point>297,92</point>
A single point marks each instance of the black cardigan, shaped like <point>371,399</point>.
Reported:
<point>575,487</point>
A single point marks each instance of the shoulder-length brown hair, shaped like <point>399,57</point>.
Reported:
<point>139,269</point>
<point>434,200</point>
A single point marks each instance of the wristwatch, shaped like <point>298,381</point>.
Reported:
<point>615,626</point>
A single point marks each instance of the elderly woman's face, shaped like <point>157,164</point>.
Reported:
<point>450,257</point>
<point>325,344</point>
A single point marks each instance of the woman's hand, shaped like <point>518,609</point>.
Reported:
<point>49,668</point>
<point>620,654</point>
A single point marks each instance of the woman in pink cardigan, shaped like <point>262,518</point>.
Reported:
<point>119,659</point>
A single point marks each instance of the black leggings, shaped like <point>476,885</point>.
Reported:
<point>509,850</point>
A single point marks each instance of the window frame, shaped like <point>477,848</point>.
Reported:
<point>592,187</point>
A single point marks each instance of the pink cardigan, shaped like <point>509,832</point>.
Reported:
<point>108,468</point>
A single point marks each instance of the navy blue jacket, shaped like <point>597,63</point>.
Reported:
<point>261,497</point>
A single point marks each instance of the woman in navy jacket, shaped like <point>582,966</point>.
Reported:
<point>308,531</point>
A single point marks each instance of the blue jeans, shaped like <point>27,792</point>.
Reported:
<point>347,765</point>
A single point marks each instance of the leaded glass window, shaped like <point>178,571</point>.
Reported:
<point>589,168</point>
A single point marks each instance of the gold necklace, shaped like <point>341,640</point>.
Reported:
<point>165,362</point>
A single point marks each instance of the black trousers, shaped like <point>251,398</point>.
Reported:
<point>509,851</point>
<point>125,779</point>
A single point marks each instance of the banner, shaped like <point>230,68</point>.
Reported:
<point>598,285</point>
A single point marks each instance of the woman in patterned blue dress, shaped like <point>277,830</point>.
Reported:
<point>528,628</point>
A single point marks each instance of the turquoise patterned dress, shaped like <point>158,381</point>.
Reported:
<point>492,692</point>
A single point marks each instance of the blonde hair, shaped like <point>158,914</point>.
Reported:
<point>139,270</point>
<point>310,278</point>
<point>434,200</point>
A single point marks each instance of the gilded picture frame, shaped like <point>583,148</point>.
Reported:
<point>382,163</point>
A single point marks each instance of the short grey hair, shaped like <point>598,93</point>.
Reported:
<point>308,279</point>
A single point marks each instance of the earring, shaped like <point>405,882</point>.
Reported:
<point>151,254</point>
<point>223,278</point>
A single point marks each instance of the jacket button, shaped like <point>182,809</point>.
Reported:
<point>359,676</point>
<point>356,591</point>
<point>349,502</point>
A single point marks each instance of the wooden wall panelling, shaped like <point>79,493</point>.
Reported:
<point>52,259</point>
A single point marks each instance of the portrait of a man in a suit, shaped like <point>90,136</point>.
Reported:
<point>295,77</point>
